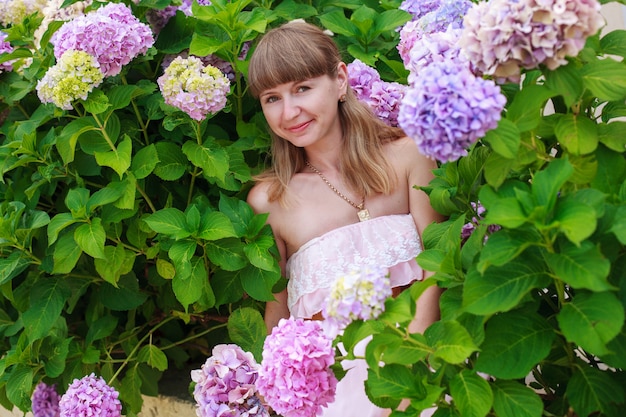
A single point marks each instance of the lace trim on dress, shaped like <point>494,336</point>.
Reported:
<point>382,241</point>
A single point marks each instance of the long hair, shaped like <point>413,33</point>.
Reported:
<point>297,51</point>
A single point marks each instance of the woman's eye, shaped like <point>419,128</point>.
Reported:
<point>302,89</point>
<point>271,99</point>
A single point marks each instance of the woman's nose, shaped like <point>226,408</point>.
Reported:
<point>291,108</point>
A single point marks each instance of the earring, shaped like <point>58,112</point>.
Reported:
<point>342,99</point>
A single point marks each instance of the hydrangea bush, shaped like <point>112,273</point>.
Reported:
<point>127,248</point>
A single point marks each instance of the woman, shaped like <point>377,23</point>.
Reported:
<point>340,193</point>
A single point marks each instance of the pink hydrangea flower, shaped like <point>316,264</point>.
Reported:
<point>90,396</point>
<point>194,88</point>
<point>295,377</point>
<point>111,34</point>
<point>225,384</point>
<point>501,37</point>
<point>5,48</point>
<point>45,401</point>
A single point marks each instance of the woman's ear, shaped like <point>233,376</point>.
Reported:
<point>342,78</point>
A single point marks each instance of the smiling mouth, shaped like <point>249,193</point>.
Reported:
<point>299,127</point>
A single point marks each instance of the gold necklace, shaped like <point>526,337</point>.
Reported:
<point>362,211</point>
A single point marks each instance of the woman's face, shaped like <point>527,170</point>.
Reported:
<point>306,112</point>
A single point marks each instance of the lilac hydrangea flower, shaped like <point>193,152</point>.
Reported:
<point>90,396</point>
<point>501,37</point>
<point>75,75</point>
<point>447,15</point>
<point>45,401</point>
<point>448,108</point>
<point>419,8</point>
<point>361,77</point>
<point>193,87</point>
<point>295,378</point>
<point>126,37</point>
<point>359,295</point>
<point>436,47</point>
<point>5,48</point>
<point>225,384</point>
<point>469,227</point>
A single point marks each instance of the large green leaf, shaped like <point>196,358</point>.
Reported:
<point>90,237</point>
<point>502,288</point>
<point>504,246</point>
<point>451,341</point>
<point>66,141</point>
<point>527,107</point>
<point>576,219</point>
<point>591,391</point>
<point>246,328</point>
<point>66,254</point>
<point>548,182</point>
<point>117,261</point>
<point>189,290</point>
<point>606,79</point>
<point>172,162</point>
<point>212,159</point>
<point>215,225</point>
<point>153,356</point>
<point>591,320</point>
<point>169,221</point>
<point>18,385</point>
<point>514,343</point>
<point>12,266</point>
<point>118,159</point>
<point>512,399</point>
<point>471,393</point>
<point>101,328</point>
<point>505,139</point>
<point>577,133</point>
<point>47,299</point>
<point>144,161</point>
<point>394,382</point>
<point>257,252</point>
<point>258,283</point>
<point>227,254</point>
<point>581,267</point>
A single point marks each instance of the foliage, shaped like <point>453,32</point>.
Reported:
<point>113,215</point>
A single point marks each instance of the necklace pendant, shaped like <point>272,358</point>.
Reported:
<point>364,215</point>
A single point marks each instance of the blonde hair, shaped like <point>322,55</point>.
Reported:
<point>297,51</point>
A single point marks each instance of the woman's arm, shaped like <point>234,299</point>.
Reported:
<point>277,309</point>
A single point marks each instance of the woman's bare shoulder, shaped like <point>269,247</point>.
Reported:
<point>403,153</point>
<point>258,197</point>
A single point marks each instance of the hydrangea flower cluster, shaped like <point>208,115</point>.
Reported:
<point>382,97</point>
<point>419,8</point>
<point>45,401</point>
<point>54,12</point>
<point>436,47</point>
<point>501,37</point>
<point>359,295</point>
<point>225,384</point>
<point>126,37</point>
<point>212,59</point>
<point>469,227</point>
<point>75,75</point>
<point>447,15</point>
<point>193,87</point>
<point>448,108</point>
<point>5,48</point>
<point>90,396</point>
<point>295,378</point>
<point>14,11</point>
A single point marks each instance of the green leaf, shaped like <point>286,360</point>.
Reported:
<point>506,212</point>
<point>126,296</point>
<point>257,252</point>
<point>614,43</point>
<point>526,109</point>
<point>130,392</point>
<point>116,262</point>
<point>55,364</point>
<point>591,391</point>
<point>12,266</point>
<point>96,102</point>
<point>548,182</point>
<point>47,299</point>
<point>577,133</point>
<point>471,393</point>
<point>501,288</point>
<point>66,254</point>
<point>497,169</point>
<point>452,342</point>
<point>172,163</point>
<point>189,290</point>
<point>153,356</point>
<point>576,219</point>
<point>66,141</point>
<point>390,20</point>
<point>613,135</point>
<point>505,139</point>
<point>227,254</point>
<point>619,225</point>
<point>227,287</point>
<point>215,225</point>
<point>246,328</point>
<point>212,160</point>
<point>567,82</point>
<point>512,399</point>
<point>90,237</point>
<point>18,385</point>
<point>514,343</point>
<point>101,328</point>
<point>591,320</point>
<point>258,283</point>
<point>393,381</point>
<point>145,161</point>
<point>504,246</point>
<point>107,195</point>
<point>606,79</point>
<point>119,159</point>
<point>76,200</point>
<point>581,266</point>
<point>337,22</point>
<point>169,221</point>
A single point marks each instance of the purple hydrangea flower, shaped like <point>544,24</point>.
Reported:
<point>225,384</point>
<point>419,8</point>
<point>435,47</point>
<point>194,88</point>
<point>90,396</point>
<point>361,77</point>
<point>5,48</point>
<point>45,401</point>
<point>501,37</point>
<point>225,67</point>
<point>359,295</point>
<point>126,37</point>
<point>295,377</point>
<point>469,227</point>
<point>447,15</point>
<point>448,108</point>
